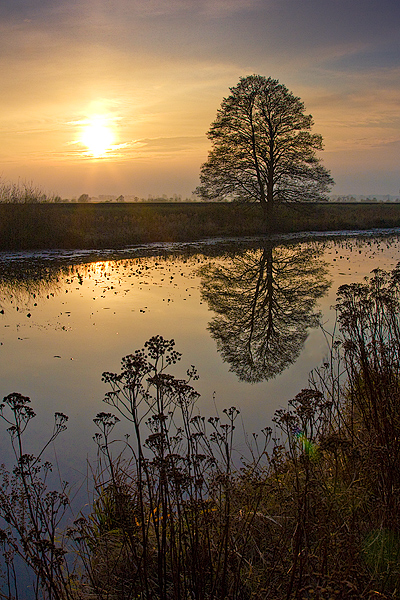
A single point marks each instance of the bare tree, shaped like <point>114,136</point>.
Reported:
<point>263,149</point>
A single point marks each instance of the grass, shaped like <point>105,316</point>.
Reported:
<point>96,226</point>
<point>24,192</point>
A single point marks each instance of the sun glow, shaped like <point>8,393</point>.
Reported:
<point>98,136</point>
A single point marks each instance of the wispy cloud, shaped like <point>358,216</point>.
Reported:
<point>160,69</point>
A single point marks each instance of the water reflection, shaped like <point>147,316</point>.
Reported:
<point>26,281</point>
<point>264,301</point>
<point>264,297</point>
<point>87,314</point>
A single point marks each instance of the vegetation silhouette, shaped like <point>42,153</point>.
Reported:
<point>264,300</point>
<point>24,192</point>
<point>263,149</point>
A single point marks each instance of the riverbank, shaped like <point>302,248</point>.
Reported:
<point>99,226</point>
<point>312,513</point>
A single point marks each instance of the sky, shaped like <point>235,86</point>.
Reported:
<point>116,96</point>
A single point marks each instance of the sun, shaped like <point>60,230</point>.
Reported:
<point>97,136</point>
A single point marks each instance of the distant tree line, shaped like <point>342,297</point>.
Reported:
<point>24,192</point>
<point>362,198</point>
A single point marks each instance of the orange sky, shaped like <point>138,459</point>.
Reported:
<point>153,74</point>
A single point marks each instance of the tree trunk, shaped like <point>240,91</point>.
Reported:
<point>268,207</point>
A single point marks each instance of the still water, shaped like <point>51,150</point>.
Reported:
<point>246,315</point>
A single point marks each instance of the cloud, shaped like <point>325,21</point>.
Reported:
<point>162,67</point>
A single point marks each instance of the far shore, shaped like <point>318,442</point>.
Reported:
<point>116,226</point>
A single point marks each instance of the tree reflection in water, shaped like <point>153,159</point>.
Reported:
<point>264,301</point>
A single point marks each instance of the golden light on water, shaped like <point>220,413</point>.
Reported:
<point>98,136</point>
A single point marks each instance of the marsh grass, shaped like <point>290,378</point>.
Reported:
<point>79,226</point>
<point>24,192</point>
<point>312,513</point>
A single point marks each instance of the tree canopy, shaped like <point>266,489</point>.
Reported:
<point>263,149</point>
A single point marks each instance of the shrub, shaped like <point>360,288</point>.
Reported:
<point>24,192</point>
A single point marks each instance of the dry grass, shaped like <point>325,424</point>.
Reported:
<point>42,226</point>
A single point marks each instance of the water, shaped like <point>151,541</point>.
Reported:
<point>246,315</point>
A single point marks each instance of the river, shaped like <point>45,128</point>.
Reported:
<point>247,314</point>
